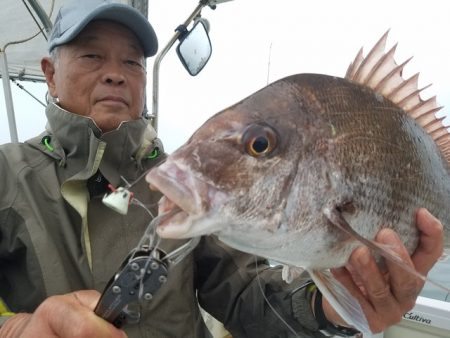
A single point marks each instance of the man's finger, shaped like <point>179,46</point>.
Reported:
<point>385,308</point>
<point>431,242</point>
<point>87,298</point>
<point>403,285</point>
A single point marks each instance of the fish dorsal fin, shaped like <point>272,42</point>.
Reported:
<point>379,71</point>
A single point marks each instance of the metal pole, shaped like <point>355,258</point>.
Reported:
<point>8,98</point>
<point>156,65</point>
<point>43,17</point>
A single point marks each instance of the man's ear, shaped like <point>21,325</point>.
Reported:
<point>48,68</point>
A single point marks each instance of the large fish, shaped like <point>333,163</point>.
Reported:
<point>310,167</point>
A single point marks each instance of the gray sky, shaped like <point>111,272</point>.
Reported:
<point>320,36</point>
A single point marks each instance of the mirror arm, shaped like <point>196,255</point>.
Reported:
<point>156,65</point>
<point>213,3</point>
<point>182,30</point>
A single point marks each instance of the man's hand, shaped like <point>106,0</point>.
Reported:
<point>386,296</point>
<point>68,316</point>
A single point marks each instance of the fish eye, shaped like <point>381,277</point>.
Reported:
<point>259,140</point>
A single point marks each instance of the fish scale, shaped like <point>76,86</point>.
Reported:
<point>390,146</point>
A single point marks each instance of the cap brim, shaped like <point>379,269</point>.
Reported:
<point>120,13</point>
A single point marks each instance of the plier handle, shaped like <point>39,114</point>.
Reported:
<point>140,276</point>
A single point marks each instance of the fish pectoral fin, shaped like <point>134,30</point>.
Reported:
<point>336,218</point>
<point>341,300</point>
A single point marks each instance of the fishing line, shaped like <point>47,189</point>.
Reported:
<point>258,278</point>
<point>149,239</point>
<point>129,185</point>
<point>137,202</point>
<point>145,269</point>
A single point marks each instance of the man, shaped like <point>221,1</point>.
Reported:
<point>57,237</point>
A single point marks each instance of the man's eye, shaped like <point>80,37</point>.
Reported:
<point>133,63</point>
<point>91,56</point>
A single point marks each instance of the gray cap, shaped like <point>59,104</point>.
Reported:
<point>74,16</point>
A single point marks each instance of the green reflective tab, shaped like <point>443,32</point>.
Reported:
<point>154,154</point>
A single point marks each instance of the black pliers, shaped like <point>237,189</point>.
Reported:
<point>139,277</point>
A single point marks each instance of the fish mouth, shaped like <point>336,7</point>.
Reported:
<point>187,199</point>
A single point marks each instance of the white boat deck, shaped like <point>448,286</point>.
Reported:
<point>430,318</point>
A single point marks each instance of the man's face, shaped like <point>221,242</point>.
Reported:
<point>100,74</point>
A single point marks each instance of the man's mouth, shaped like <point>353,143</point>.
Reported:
<point>112,99</point>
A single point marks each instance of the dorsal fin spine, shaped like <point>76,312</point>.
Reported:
<point>379,46</point>
<point>389,76</point>
<point>424,107</point>
<point>379,71</point>
<point>441,132</point>
<point>378,66</point>
<point>400,98</point>
<point>434,124</point>
<point>427,119</point>
<point>355,64</point>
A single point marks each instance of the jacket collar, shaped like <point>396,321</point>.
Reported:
<point>80,147</point>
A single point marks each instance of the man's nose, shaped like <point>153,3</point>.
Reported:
<point>113,74</point>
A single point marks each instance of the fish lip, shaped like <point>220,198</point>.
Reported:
<point>174,191</point>
<point>170,213</point>
<point>188,201</point>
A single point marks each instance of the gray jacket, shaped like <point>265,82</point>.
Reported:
<point>56,236</point>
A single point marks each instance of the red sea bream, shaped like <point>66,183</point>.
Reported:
<point>312,166</point>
